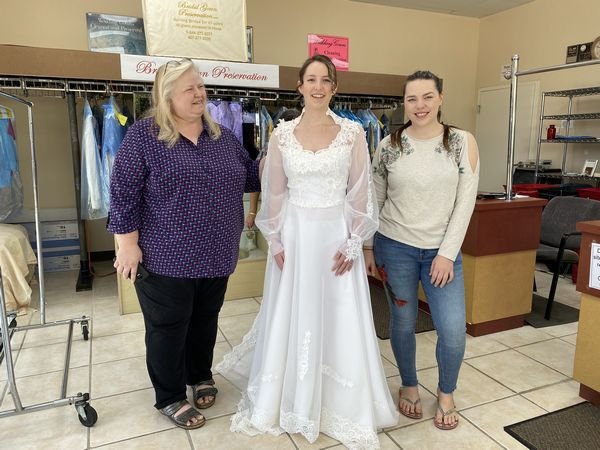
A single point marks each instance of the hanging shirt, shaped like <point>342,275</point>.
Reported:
<point>236,112</point>
<point>112,136</point>
<point>11,189</point>
<point>94,193</point>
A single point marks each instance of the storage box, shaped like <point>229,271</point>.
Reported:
<point>59,254</point>
<point>64,229</point>
<point>59,262</point>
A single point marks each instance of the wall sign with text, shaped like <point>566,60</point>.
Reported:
<point>206,29</point>
<point>214,73</point>
<point>336,48</point>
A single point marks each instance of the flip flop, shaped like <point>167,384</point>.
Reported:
<point>414,415</point>
<point>441,425</point>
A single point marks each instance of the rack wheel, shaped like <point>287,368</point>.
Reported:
<point>91,416</point>
<point>85,330</point>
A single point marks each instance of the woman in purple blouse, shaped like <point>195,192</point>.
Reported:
<point>177,213</point>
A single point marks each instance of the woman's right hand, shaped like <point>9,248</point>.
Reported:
<point>279,259</point>
<point>249,222</point>
<point>127,260</point>
<point>370,263</point>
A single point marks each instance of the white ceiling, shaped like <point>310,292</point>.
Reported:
<point>469,8</point>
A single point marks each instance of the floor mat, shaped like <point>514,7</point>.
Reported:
<point>575,427</point>
<point>381,313</point>
<point>561,313</point>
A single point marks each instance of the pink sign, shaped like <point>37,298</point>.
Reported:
<point>336,48</point>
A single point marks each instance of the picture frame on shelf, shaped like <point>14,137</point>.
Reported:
<point>250,42</point>
<point>589,168</point>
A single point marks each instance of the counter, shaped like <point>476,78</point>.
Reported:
<point>499,263</point>
<point>587,351</point>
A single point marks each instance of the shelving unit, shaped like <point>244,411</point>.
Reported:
<point>569,118</point>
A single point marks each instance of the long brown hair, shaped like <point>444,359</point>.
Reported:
<point>422,75</point>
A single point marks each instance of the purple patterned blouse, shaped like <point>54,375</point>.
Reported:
<point>185,201</point>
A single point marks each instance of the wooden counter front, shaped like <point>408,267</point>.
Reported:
<point>500,226</point>
<point>586,368</point>
<point>499,263</point>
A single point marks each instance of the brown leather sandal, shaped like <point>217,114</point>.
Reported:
<point>183,419</point>
<point>199,393</point>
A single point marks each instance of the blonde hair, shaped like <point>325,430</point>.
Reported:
<point>162,91</point>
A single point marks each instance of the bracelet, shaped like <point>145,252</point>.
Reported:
<point>367,248</point>
<point>252,214</point>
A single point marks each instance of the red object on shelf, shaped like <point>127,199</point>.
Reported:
<point>551,133</point>
<point>593,193</point>
<point>531,190</point>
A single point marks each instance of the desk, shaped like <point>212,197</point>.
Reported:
<point>587,350</point>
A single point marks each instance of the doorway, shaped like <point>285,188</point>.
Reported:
<point>491,131</point>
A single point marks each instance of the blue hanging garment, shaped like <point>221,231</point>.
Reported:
<point>94,193</point>
<point>113,132</point>
<point>11,189</point>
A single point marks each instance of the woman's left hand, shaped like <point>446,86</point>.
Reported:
<point>442,271</point>
<point>342,264</point>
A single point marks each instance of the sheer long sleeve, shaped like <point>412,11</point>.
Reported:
<point>360,208</point>
<point>274,197</point>
<point>379,172</point>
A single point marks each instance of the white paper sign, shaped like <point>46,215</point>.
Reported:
<point>214,73</point>
<point>595,267</point>
<point>206,29</point>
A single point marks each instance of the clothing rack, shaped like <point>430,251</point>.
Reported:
<point>512,115</point>
<point>69,88</point>
<point>59,88</point>
<point>87,414</point>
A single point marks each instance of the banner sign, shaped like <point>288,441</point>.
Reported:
<point>214,73</point>
<point>206,29</point>
<point>336,48</point>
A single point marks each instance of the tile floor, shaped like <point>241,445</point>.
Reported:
<point>506,377</point>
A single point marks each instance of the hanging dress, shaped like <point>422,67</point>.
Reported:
<point>311,361</point>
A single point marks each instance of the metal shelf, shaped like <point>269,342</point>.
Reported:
<point>575,92</point>
<point>582,116</point>
<point>570,141</point>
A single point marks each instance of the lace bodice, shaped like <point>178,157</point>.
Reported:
<point>338,175</point>
<point>318,179</point>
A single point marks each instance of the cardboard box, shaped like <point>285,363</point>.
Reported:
<point>60,262</point>
<point>64,229</point>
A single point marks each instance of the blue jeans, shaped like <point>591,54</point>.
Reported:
<point>404,266</point>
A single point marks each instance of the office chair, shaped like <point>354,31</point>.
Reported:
<point>559,241</point>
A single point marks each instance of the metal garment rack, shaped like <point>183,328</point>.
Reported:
<point>87,414</point>
<point>512,118</point>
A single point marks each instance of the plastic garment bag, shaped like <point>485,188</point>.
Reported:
<point>113,132</point>
<point>94,193</point>
<point>11,189</point>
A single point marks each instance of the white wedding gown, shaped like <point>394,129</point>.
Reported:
<point>311,362</point>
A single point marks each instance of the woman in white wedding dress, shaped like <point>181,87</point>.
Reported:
<point>311,362</point>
